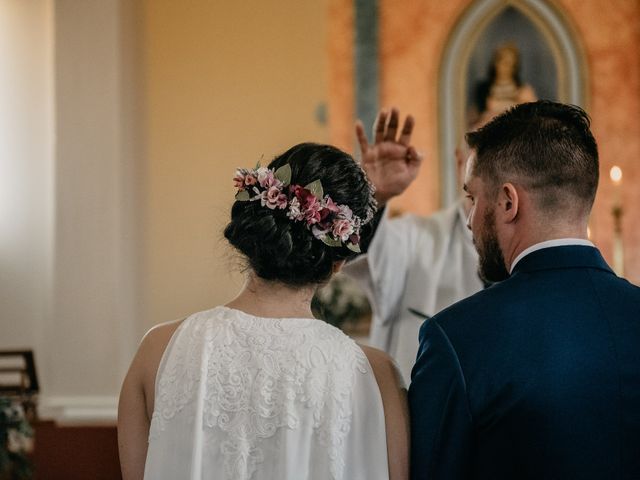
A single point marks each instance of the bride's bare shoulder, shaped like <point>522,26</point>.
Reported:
<point>153,345</point>
<point>151,349</point>
<point>160,334</point>
<point>384,367</point>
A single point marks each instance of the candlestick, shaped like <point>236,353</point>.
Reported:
<point>618,248</point>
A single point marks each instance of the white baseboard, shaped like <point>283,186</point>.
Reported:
<point>79,409</point>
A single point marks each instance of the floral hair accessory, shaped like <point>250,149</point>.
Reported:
<point>335,225</point>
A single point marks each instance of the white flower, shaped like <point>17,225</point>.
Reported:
<point>295,210</point>
<point>345,212</point>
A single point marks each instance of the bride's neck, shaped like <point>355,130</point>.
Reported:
<point>263,298</point>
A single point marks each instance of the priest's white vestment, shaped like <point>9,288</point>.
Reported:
<point>415,265</point>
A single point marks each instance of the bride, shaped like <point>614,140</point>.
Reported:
<point>258,389</point>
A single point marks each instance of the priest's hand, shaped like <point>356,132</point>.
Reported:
<point>391,162</point>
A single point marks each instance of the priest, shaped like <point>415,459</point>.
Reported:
<point>414,266</point>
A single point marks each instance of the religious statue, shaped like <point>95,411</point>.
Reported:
<point>503,88</point>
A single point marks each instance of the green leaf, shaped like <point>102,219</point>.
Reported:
<point>243,196</point>
<point>315,187</point>
<point>354,248</point>
<point>332,242</point>
<point>284,174</point>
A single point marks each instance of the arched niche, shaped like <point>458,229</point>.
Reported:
<point>453,89</point>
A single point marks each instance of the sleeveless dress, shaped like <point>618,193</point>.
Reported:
<point>240,397</point>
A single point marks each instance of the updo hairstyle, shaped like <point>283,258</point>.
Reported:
<point>280,249</point>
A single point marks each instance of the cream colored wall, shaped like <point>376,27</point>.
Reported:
<point>226,84</point>
<point>121,126</point>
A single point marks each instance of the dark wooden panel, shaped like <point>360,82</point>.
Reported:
<point>75,452</point>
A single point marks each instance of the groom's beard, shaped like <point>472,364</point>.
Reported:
<point>492,267</point>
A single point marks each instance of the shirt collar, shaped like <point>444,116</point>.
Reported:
<point>560,242</point>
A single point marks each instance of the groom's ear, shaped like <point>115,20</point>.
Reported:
<point>508,203</point>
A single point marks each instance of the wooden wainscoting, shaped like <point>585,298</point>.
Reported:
<point>75,452</point>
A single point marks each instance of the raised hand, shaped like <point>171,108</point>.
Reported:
<point>391,163</point>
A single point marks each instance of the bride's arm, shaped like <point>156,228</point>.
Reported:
<point>133,424</point>
<point>396,411</point>
<point>137,399</point>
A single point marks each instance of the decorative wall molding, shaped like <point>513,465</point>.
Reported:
<point>563,40</point>
<point>85,409</point>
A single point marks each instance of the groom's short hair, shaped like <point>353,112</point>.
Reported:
<point>546,147</point>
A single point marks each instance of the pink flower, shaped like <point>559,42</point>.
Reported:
<point>238,180</point>
<point>282,201</point>
<point>330,205</point>
<point>342,229</point>
<point>244,178</point>
<point>273,198</point>
<point>312,217</point>
<point>311,209</point>
<point>267,179</point>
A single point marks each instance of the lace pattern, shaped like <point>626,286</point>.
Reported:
<point>257,376</point>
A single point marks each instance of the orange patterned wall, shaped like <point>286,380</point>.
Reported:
<point>412,38</point>
<point>340,45</point>
<point>610,33</point>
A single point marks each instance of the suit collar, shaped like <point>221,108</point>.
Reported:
<point>549,243</point>
<point>572,256</point>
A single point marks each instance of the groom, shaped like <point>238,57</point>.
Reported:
<point>537,376</point>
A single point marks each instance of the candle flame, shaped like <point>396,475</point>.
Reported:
<point>616,174</point>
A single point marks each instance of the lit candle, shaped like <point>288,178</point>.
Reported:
<point>616,178</point>
<point>616,175</point>
<point>618,250</point>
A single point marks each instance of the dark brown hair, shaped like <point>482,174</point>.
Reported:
<point>279,249</point>
<point>545,146</point>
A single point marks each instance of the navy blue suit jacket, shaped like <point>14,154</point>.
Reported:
<point>537,377</point>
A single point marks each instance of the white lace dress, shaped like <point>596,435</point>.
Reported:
<point>240,397</point>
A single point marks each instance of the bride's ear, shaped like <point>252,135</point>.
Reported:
<point>337,266</point>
